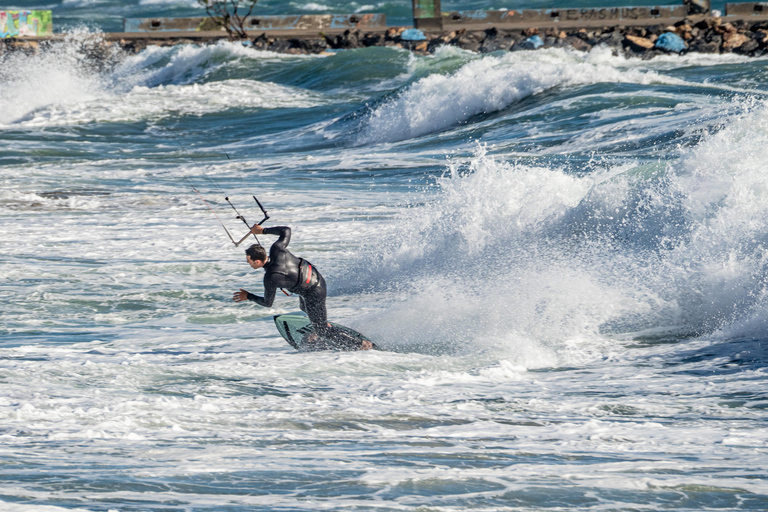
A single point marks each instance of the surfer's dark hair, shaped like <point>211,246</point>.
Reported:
<point>257,252</point>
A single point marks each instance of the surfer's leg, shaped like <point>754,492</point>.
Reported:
<point>314,304</point>
<point>314,301</point>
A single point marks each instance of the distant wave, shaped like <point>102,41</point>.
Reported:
<point>491,83</point>
<point>62,85</point>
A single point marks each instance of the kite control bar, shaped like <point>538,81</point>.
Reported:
<point>239,216</point>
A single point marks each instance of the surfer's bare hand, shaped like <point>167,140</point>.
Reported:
<point>367,345</point>
<point>257,230</point>
<point>240,296</point>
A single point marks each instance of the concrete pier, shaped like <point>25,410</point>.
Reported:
<point>631,30</point>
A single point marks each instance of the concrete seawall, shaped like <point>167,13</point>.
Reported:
<point>632,31</point>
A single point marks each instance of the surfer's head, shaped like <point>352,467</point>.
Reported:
<point>256,256</point>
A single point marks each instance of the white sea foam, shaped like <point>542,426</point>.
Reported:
<point>533,257</point>
<point>60,77</point>
<point>173,100</point>
<point>178,396</point>
<point>61,86</point>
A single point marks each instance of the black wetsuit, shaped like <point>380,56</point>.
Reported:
<point>296,275</point>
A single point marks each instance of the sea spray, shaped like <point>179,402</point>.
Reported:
<point>676,247</point>
<point>61,74</point>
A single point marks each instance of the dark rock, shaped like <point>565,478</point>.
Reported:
<point>372,40</point>
<point>577,44</point>
<point>656,29</point>
<point>494,44</point>
<point>612,38</point>
<point>697,6</point>
<point>309,45</point>
<point>469,41</point>
<point>279,46</point>
<point>725,28</point>
<point>647,55</point>
<point>346,41</point>
<point>715,39</point>
<point>434,44</point>
<point>704,46</point>
<point>734,40</point>
<point>747,48</point>
<point>261,42</point>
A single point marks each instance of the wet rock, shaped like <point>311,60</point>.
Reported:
<point>577,44</point>
<point>761,36</point>
<point>747,48</point>
<point>309,45</point>
<point>394,33</point>
<point>697,6</point>
<point>346,41</point>
<point>469,41</point>
<point>262,42</point>
<point>725,28</point>
<point>704,47</point>
<point>435,43</point>
<point>279,46</point>
<point>638,44</point>
<point>372,39</point>
<point>494,44</point>
<point>734,40</point>
<point>715,39</point>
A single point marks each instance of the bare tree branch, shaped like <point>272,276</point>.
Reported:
<point>225,14</point>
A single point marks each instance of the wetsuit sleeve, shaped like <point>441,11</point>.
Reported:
<point>283,232</point>
<point>269,294</point>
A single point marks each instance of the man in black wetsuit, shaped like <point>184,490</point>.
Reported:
<point>295,275</point>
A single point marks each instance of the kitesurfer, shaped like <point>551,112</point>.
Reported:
<point>295,275</point>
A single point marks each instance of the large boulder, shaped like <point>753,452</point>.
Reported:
<point>638,44</point>
<point>733,40</point>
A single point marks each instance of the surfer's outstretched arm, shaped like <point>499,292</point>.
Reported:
<point>269,294</point>
<point>283,232</point>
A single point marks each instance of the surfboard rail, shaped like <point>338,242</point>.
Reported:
<point>296,329</point>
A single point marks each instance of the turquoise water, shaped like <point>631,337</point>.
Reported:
<point>562,254</point>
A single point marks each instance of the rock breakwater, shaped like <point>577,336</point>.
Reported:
<point>704,35</point>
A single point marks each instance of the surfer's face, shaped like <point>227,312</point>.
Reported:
<point>257,264</point>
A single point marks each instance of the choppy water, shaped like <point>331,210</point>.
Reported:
<point>564,255</point>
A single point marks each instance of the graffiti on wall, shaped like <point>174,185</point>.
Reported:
<point>25,23</point>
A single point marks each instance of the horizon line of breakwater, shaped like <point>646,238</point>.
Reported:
<point>633,31</point>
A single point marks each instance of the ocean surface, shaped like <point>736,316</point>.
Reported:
<point>563,255</point>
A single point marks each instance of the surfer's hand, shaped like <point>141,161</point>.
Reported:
<point>257,230</point>
<point>240,296</point>
<point>367,345</point>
